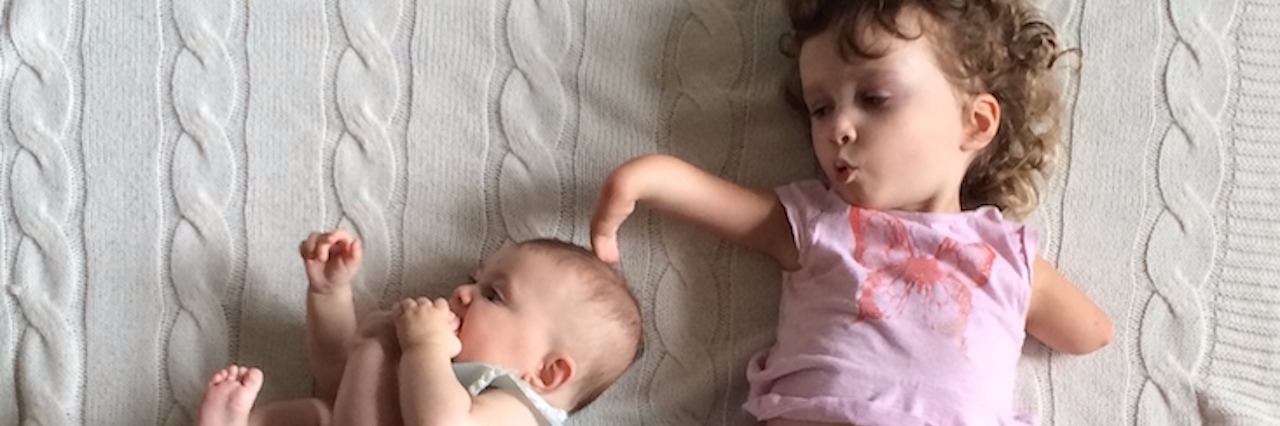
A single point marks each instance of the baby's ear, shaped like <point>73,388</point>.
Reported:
<point>982,118</point>
<point>557,369</point>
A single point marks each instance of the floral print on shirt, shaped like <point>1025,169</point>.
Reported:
<point>928,281</point>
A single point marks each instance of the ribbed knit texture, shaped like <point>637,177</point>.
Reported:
<point>161,160</point>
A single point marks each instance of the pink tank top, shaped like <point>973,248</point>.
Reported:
<point>896,318</point>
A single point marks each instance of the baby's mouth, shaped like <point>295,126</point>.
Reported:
<point>457,318</point>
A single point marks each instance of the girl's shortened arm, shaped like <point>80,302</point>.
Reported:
<point>1061,316</point>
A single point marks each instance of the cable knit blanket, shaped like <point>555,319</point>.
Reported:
<point>160,160</point>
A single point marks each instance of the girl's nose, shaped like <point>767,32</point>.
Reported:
<point>844,133</point>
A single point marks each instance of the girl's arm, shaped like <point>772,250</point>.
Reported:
<point>753,218</point>
<point>1061,316</point>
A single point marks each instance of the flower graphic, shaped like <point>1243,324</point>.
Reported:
<point>925,280</point>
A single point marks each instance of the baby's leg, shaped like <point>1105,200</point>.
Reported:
<point>368,394</point>
<point>298,412</point>
<point>229,396</point>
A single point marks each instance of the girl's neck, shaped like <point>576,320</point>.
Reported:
<point>941,204</point>
<point>937,204</point>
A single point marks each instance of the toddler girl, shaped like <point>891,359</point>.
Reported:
<point>906,293</point>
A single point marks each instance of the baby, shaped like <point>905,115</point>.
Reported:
<point>543,329</point>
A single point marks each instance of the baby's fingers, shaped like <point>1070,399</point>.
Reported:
<point>352,252</point>
<point>441,304</point>
<point>454,322</point>
<point>446,314</point>
<point>403,306</point>
<point>308,246</point>
<point>323,247</point>
<point>336,242</point>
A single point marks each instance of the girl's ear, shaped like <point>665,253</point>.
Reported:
<point>983,120</point>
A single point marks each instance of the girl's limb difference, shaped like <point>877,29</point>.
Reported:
<point>751,217</point>
<point>331,260</point>
<point>1063,317</point>
<point>430,393</point>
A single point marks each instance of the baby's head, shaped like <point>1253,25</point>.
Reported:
<point>912,102</point>
<point>551,311</point>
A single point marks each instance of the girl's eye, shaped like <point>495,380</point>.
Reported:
<point>819,112</point>
<point>874,100</point>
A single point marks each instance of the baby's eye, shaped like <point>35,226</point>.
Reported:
<point>491,294</point>
<point>819,112</point>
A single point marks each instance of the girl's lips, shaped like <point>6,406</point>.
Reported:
<point>844,171</point>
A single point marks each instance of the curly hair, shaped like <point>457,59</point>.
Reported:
<point>1001,47</point>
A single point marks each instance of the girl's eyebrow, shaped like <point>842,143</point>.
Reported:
<point>874,69</point>
<point>810,93</point>
<point>808,96</point>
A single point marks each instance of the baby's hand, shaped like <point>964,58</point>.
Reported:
<point>379,324</point>
<point>331,259</point>
<point>425,323</point>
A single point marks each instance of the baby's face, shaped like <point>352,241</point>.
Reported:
<point>509,313</point>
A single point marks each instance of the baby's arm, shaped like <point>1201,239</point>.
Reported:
<point>753,218</point>
<point>331,260</point>
<point>430,394</point>
<point>1061,316</point>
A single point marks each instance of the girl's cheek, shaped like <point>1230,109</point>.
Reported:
<point>819,132</point>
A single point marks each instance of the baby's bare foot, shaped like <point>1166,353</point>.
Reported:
<point>229,396</point>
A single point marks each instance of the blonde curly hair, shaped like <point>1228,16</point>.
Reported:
<point>1001,47</point>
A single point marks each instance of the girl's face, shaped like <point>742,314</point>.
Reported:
<point>891,133</point>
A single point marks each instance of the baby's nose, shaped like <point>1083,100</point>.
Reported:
<point>461,297</point>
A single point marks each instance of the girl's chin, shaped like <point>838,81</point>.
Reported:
<point>852,196</point>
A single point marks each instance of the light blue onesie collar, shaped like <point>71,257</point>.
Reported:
<point>478,377</point>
